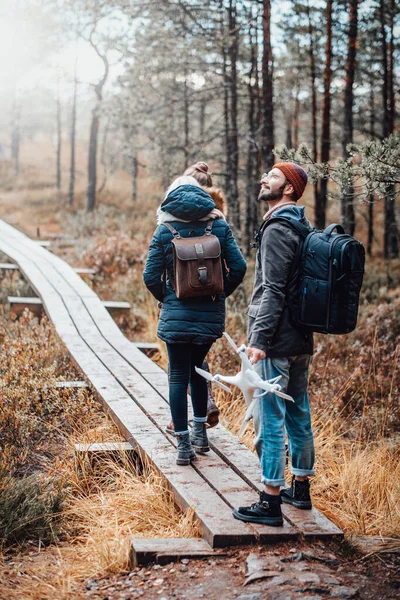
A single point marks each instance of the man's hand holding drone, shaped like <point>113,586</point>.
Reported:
<point>247,380</point>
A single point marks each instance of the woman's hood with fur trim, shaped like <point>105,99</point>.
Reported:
<point>188,202</point>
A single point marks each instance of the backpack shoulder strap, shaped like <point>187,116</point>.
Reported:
<point>209,226</point>
<point>174,232</point>
<point>301,229</point>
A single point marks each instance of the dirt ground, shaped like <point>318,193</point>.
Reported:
<point>283,572</point>
<point>309,572</point>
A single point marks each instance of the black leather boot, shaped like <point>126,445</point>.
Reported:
<point>298,494</point>
<point>266,512</point>
<point>198,438</point>
<point>185,451</point>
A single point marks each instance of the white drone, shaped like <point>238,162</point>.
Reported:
<point>248,381</point>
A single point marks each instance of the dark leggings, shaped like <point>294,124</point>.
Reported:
<point>183,358</point>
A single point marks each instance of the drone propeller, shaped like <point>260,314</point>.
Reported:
<point>241,351</point>
<point>232,343</point>
<point>277,393</point>
<point>210,377</point>
<point>248,416</point>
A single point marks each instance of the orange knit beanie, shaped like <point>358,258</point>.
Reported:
<point>295,175</point>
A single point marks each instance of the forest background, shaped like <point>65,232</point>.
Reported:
<point>103,103</point>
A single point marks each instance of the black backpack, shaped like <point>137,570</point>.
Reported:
<point>330,268</point>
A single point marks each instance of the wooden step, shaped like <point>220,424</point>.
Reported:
<point>72,384</point>
<point>148,348</point>
<point>146,345</point>
<point>14,267</point>
<point>165,550</point>
<point>104,448</point>
<point>84,271</point>
<point>19,304</point>
<point>117,308</point>
<point>35,305</point>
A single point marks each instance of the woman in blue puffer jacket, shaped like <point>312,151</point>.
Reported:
<point>189,326</point>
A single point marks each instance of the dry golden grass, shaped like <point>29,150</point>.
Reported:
<point>357,483</point>
<point>107,503</point>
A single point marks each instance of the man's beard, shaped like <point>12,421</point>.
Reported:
<point>267,195</point>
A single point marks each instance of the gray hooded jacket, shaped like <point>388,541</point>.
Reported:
<point>270,325</point>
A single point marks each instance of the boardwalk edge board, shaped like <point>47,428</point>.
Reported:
<point>165,550</point>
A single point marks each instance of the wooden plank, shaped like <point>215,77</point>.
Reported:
<point>118,341</point>
<point>72,384</point>
<point>148,348</point>
<point>117,308</point>
<point>146,345</point>
<point>19,304</point>
<point>104,447</point>
<point>84,271</point>
<point>165,550</point>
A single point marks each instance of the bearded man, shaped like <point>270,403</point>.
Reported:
<point>277,347</point>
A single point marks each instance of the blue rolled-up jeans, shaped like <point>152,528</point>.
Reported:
<point>273,415</point>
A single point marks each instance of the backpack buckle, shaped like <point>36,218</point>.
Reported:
<point>202,271</point>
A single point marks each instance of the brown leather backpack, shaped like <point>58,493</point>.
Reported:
<point>197,264</point>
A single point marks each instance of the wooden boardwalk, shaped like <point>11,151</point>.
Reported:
<point>134,391</point>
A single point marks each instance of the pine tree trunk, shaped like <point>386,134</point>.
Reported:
<point>320,207</point>
<point>370,238</point>
<point>58,116</point>
<point>347,196</point>
<point>92,162</point>
<point>233,144</point>
<point>313,76</point>
<point>296,117</point>
<point>385,70</point>
<point>202,119</point>
<point>94,131</point>
<point>15,135</point>
<point>15,142</point>
<point>71,190</point>
<point>267,140</point>
<point>391,95</point>
<point>103,160</point>
<point>251,148</point>
<point>186,122</point>
<point>390,238</point>
<point>135,169</point>
<point>225,138</point>
<point>258,116</point>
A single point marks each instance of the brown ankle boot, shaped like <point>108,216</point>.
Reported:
<point>212,414</point>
